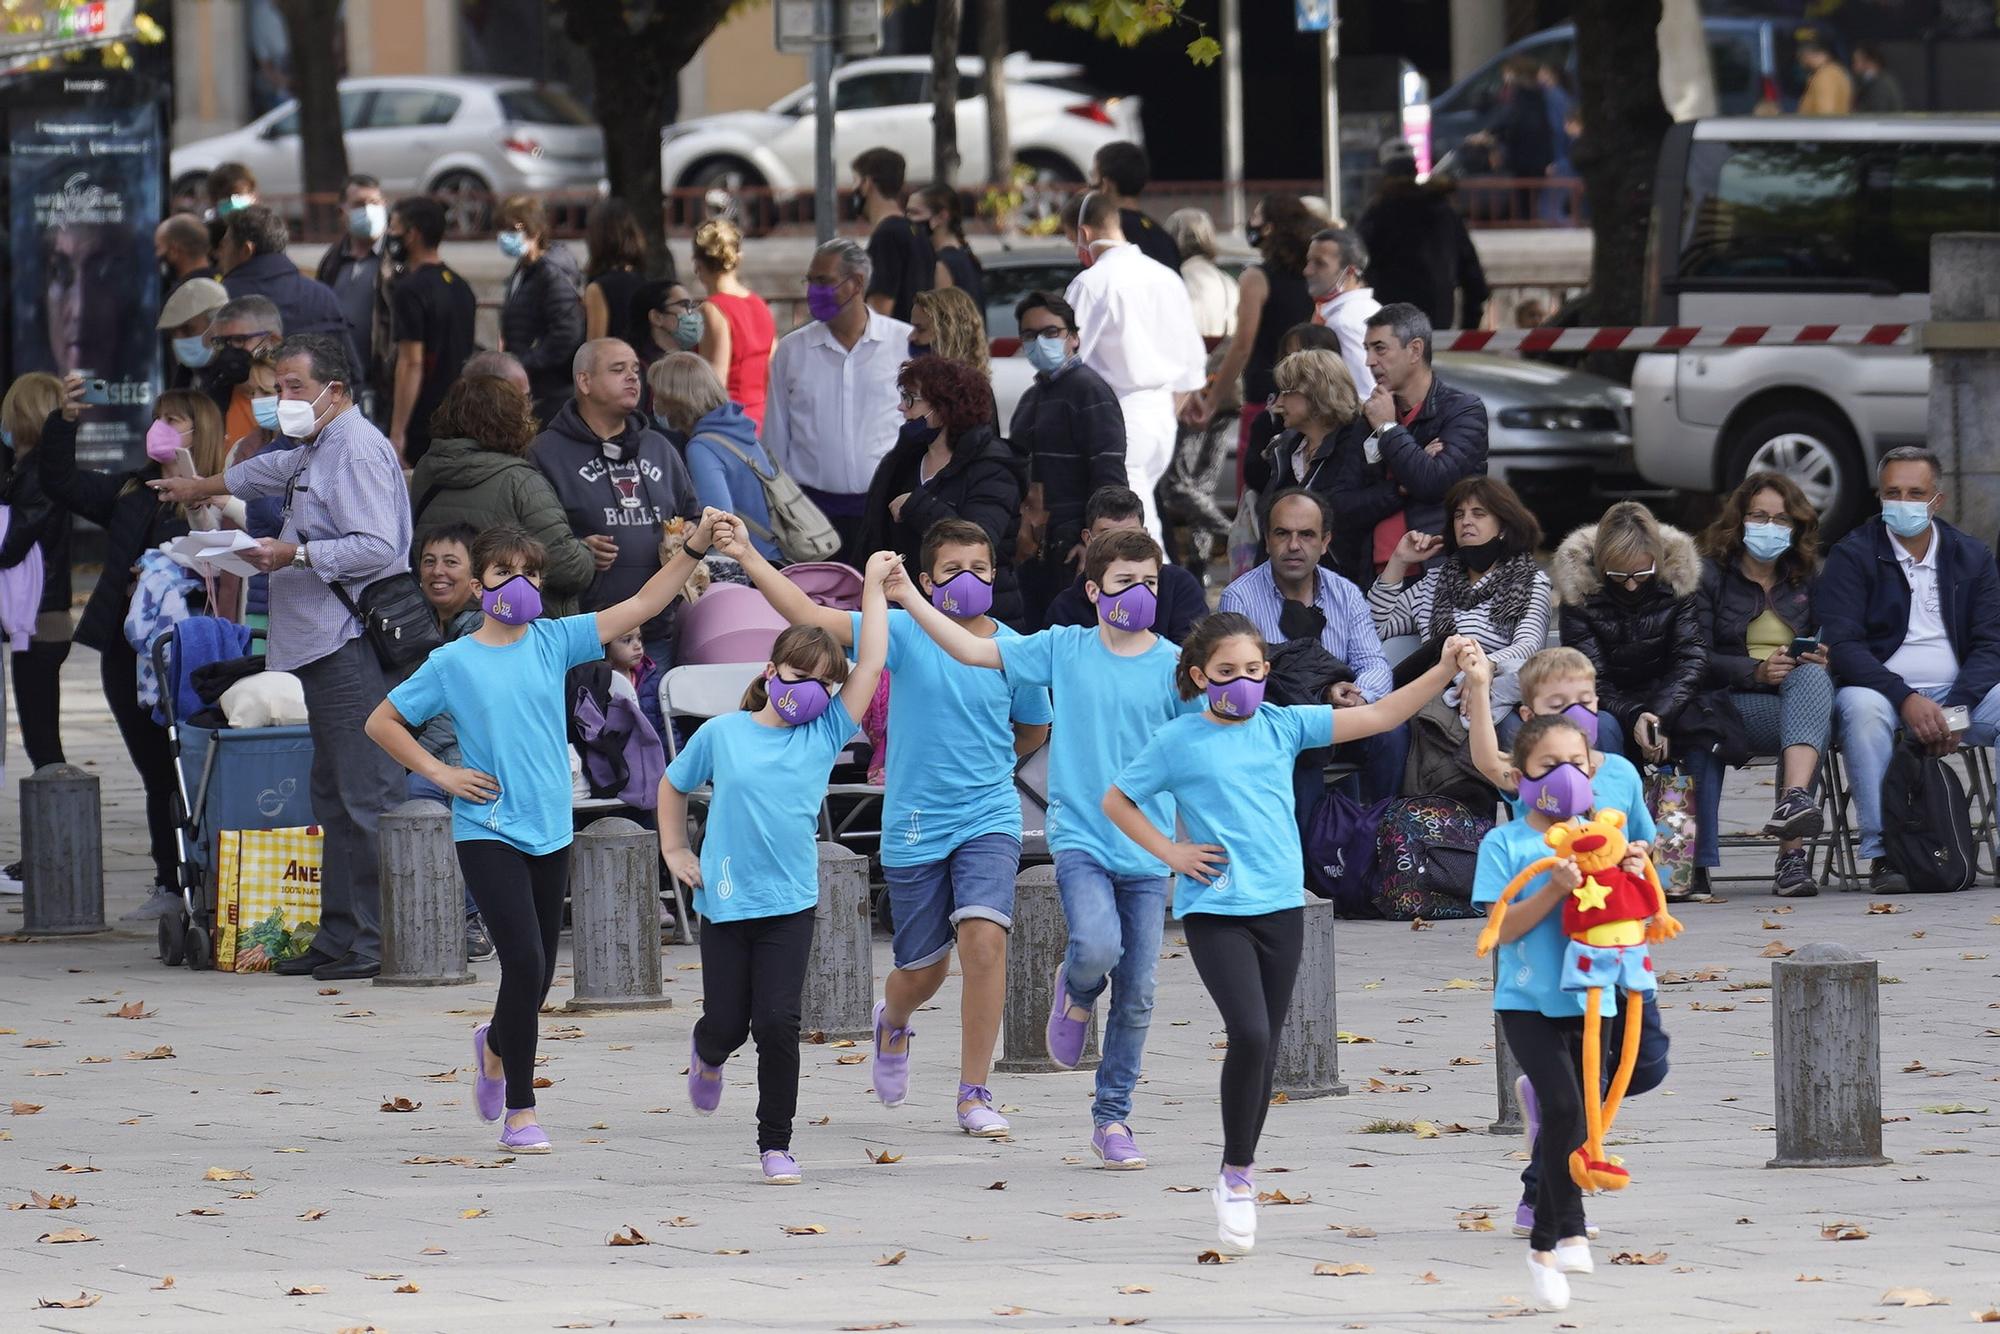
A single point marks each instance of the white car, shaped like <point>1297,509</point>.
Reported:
<point>1056,121</point>
<point>466,139</point>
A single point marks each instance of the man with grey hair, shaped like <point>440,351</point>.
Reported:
<point>1909,609</point>
<point>346,524</point>
<point>1424,436</point>
<point>501,366</point>
<point>253,263</point>
<point>1342,300</point>
<point>620,481</point>
<point>249,326</point>
<point>831,413</point>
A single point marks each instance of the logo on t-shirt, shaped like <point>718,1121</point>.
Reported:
<point>725,886</point>
<point>915,833</point>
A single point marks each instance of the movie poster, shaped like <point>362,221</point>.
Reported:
<point>84,193</point>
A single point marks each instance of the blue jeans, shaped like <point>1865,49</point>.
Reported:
<point>1868,727</point>
<point>423,789</point>
<point>1648,1072</point>
<point>1115,922</point>
<point>1799,713</point>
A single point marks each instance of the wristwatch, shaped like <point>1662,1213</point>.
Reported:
<point>300,560</point>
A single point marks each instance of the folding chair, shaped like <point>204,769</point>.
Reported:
<point>1826,851</point>
<point>1982,802</point>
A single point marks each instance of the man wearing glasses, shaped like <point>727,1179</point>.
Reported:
<point>246,328</point>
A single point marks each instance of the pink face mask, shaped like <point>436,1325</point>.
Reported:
<point>163,442</point>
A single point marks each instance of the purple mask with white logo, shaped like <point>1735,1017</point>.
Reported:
<point>1585,718</point>
<point>1131,608</point>
<point>516,602</point>
<point>963,596</point>
<point>1235,699</point>
<point>1561,794</point>
<point>798,702</point>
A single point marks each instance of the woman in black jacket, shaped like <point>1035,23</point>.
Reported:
<point>1323,448</point>
<point>1756,600</point>
<point>541,319</point>
<point>37,530</point>
<point>1628,586</point>
<point>947,463</point>
<point>133,520</point>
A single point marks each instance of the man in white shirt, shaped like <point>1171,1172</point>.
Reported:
<point>831,413</point>
<point>1335,262</point>
<point>1135,327</point>
<point>1909,609</point>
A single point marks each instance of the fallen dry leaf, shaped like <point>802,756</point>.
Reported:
<point>1808,1278</point>
<point>383,1278</point>
<point>1912,1297</point>
<point>1280,1099</point>
<point>1362,1233</point>
<point>1992,1316</point>
<point>1009,1310</point>
<point>472,1213</point>
<point>544,1082</point>
<point>26,1108</point>
<point>1777,949</point>
<point>1344,1036</point>
<point>1085,1216</point>
<point>135,1010</point>
<point>41,1042</point>
<point>857,1329</point>
<point>1183,1190</point>
<point>884,1261</point>
<point>156,1054</point>
<point>329,991</point>
<point>1770,925</point>
<point>305,1290</point>
<point>1126,1320</point>
<point>37,1200</point>
<point>444,1076</point>
<point>95,1060</point>
<point>883,1156</point>
<point>802,1229</point>
<point>1133,1289</point>
<point>1704,1005</point>
<point>73,1169</point>
<point>1953,1109</point>
<point>1884,909</point>
<point>1279,1197</point>
<point>849,1058</point>
<point>1214,1258</point>
<point>1463,984</point>
<point>631,1236</point>
<point>1341,1271</point>
<point>358,1014</point>
<point>681,1220</point>
<point>998,1185</point>
<point>400,1105</point>
<point>225,1174</point>
<point>733,1251</point>
<point>1466,1060</point>
<point>1419,924</point>
<point>1843,1232</point>
<point>312,1215</point>
<point>76,1303</point>
<point>1638,1258</point>
<point>1428,1277</point>
<point>406,1287</point>
<point>683,1315</point>
<point>433,1250</point>
<point>68,1234</point>
<point>204,1212</point>
<point>165,1284</point>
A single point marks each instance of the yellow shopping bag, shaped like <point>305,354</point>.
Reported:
<point>267,896</point>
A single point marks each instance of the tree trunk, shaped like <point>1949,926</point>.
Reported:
<point>993,82</point>
<point>313,30</point>
<point>1624,122</point>
<point>944,91</point>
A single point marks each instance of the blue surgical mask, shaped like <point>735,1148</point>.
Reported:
<point>194,353</point>
<point>1047,353</point>
<point>6,437</point>
<point>265,409</point>
<point>1766,541</point>
<point>689,328</point>
<point>1907,518</point>
<point>513,244</point>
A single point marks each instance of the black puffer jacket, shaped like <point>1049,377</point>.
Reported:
<point>541,322</point>
<point>1651,655</point>
<point>37,529</point>
<point>1730,600</point>
<point>981,484</point>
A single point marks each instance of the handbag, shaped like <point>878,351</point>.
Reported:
<point>1670,799</point>
<point>1926,822</point>
<point>799,528</point>
<point>396,618</point>
<point>267,896</point>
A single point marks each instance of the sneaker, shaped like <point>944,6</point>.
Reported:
<point>162,902</point>
<point>478,945</point>
<point>780,1168</point>
<point>1574,1258</point>
<point>704,1082</point>
<point>979,1120</point>
<point>10,878</point>
<point>1886,879</point>
<point>1066,1033</point>
<point>12,870</point>
<point>1235,1211</point>
<point>1793,879</point>
<point>489,1096</point>
<point>530,1138</point>
<point>1696,890</point>
<point>1548,1290</point>
<point>1796,815</point>
<point>892,1068</point>
<point>1115,1148</point>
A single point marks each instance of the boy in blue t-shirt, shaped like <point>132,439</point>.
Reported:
<point>951,819</point>
<point>1113,687</point>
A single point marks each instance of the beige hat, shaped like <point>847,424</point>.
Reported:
<point>196,296</point>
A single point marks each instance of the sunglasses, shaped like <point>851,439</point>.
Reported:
<point>1635,576</point>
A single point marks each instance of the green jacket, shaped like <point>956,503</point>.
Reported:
<point>475,485</point>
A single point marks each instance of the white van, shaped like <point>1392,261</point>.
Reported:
<point>1800,220</point>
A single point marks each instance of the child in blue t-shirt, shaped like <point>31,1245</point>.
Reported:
<point>1242,889</point>
<point>951,819</point>
<point>1113,687</point>
<point>503,687</point>
<point>756,882</point>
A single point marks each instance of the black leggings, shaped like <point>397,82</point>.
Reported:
<point>1248,965</point>
<point>146,743</point>
<point>38,699</point>
<point>521,899</point>
<point>752,974</point>
<point>1550,1053</point>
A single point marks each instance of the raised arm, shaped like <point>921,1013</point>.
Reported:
<point>1475,693</point>
<point>952,637</point>
<point>1399,706</point>
<point>661,589</point>
<point>873,651</point>
<point>733,540</point>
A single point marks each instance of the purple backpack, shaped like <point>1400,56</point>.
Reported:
<point>623,756</point>
<point>1340,848</point>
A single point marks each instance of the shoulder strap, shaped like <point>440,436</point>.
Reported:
<point>741,457</point>
<point>424,501</point>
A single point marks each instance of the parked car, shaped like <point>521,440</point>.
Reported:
<point>466,139</point>
<point>1819,220</point>
<point>1056,121</point>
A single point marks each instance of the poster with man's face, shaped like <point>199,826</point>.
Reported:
<point>84,187</point>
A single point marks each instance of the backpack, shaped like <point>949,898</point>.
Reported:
<point>622,755</point>
<point>1341,840</point>
<point>800,530</point>
<point>1427,850</point>
<point>1926,823</point>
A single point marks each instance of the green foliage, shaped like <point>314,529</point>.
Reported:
<point>1128,22</point>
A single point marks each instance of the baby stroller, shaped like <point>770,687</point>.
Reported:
<point>227,778</point>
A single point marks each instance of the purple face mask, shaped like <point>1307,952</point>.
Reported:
<point>516,602</point>
<point>1235,699</point>
<point>798,702</point>
<point>1561,794</point>
<point>1131,608</point>
<point>1584,717</point>
<point>822,301</point>
<point>963,596</point>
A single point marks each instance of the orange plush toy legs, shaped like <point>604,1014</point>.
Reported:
<point>1588,1166</point>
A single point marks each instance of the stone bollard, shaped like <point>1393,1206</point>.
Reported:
<point>614,913</point>
<point>423,899</point>
<point>1826,1057</point>
<point>1309,1046</point>
<point>62,853</point>
<point>1035,950</point>
<point>1505,1071</point>
<point>1965,375</point>
<point>839,998</point>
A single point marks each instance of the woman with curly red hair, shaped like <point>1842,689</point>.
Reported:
<point>948,462</point>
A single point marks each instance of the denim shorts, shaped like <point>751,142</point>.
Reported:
<point>929,900</point>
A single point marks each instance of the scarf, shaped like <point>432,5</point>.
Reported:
<point>1507,587</point>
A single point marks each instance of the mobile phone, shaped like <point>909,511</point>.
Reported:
<point>1958,717</point>
<point>96,390</point>
<point>1803,645</point>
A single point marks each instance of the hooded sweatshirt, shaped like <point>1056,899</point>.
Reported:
<point>626,488</point>
<point>725,481</point>
<point>461,481</point>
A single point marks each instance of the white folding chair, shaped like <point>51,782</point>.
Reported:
<point>699,693</point>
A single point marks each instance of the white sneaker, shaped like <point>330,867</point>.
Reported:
<point>1574,1258</point>
<point>1235,1218</point>
<point>159,903</point>
<point>9,885</point>
<point>1548,1290</point>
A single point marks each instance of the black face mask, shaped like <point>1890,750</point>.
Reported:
<point>1296,620</point>
<point>1253,234</point>
<point>1483,557</point>
<point>1629,597</point>
<point>919,350</point>
<point>917,431</point>
<point>397,249</point>
<point>229,368</point>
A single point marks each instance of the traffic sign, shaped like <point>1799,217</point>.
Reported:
<point>860,26</point>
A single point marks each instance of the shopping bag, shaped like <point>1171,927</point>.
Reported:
<point>267,896</point>
<point>1670,798</point>
<point>1246,540</point>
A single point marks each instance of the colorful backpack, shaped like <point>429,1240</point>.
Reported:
<point>1427,850</point>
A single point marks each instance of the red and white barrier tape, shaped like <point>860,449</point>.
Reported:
<point>1671,338</point>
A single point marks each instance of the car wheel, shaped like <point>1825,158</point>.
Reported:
<point>730,189</point>
<point>468,203</point>
<point>1813,446</point>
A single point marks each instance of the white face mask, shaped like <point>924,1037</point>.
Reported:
<point>296,416</point>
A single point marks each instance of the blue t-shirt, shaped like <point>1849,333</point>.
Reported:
<point>1107,706</point>
<point>1530,973</point>
<point>760,857</point>
<point>509,707</point>
<point>951,748</point>
<point>1615,787</point>
<point>1232,786</point>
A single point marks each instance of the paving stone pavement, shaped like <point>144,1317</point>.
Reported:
<point>281,1081</point>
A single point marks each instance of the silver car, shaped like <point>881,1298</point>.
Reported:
<point>467,140</point>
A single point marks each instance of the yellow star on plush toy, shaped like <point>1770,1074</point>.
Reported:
<point>1590,895</point>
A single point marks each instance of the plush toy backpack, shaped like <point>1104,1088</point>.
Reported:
<point>1610,920</point>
